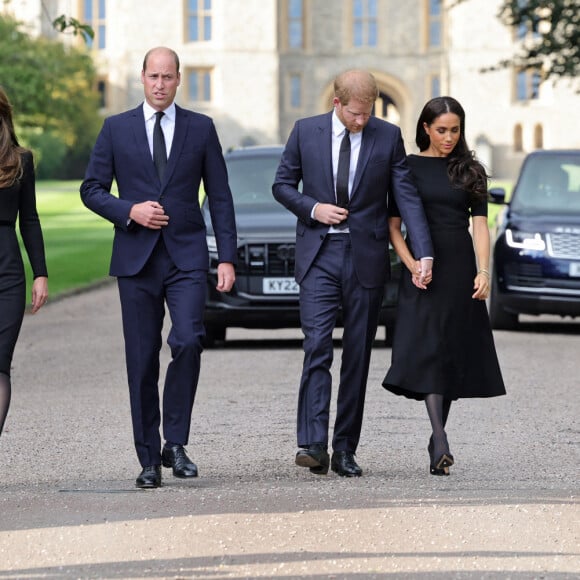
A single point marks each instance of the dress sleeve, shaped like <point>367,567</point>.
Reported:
<point>28,220</point>
<point>392,206</point>
<point>479,207</point>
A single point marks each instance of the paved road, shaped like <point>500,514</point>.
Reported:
<point>69,509</point>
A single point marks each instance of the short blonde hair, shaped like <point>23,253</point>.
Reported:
<point>356,84</point>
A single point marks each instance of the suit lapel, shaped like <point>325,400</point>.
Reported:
<point>366,149</point>
<point>324,147</point>
<point>179,134</point>
<point>140,133</point>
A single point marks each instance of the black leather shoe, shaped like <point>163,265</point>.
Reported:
<point>315,457</point>
<point>150,477</point>
<point>175,457</point>
<point>344,464</point>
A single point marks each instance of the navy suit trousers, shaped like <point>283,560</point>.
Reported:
<point>330,286</point>
<point>143,299</point>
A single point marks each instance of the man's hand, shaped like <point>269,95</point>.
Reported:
<point>424,273</point>
<point>149,214</point>
<point>226,277</point>
<point>329,214</point>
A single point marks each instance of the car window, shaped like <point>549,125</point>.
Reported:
<point>251,179</point>
<point>549,184</point>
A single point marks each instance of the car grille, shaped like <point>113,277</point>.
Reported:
<point>531,277</point>
<point>266,259</point>
<point>524,275</point>
<point>565,246</point>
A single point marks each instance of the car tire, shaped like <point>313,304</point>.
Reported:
<point>213,335</point>
<point>500,319</point>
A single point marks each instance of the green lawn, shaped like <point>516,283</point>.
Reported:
<point>77,241</point>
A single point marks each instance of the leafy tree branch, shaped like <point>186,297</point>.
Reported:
<point>548,33</point>
<point>71,25</point>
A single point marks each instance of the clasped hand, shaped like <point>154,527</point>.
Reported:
<point>149,214</point>
<point>423,273</point>
<point>330,214</point>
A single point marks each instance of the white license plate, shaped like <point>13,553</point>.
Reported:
<point>575,269</point>
<point>279,286</point>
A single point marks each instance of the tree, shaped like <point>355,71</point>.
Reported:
<point>548,33</point>
<point>52,89</point>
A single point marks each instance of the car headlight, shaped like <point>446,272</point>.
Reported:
<point>211,244</point>
<point>525,240</point>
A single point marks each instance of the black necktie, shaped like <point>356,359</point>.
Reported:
<point>159,150</point>
<point>343,171</point>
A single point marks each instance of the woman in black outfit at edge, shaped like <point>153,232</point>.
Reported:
<point>17,201</point>
<point>443,347</point>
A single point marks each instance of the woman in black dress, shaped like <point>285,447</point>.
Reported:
<point>443,346</point>
<point>17,201</point>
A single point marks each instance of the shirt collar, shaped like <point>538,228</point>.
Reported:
<point>338,128</point>
<point>149,111</point>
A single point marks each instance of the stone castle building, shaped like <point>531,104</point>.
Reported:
<point>256,66</point>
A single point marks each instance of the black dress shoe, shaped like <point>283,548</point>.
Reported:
<point>174,456</point>
<point>315,457</point>
<point>344,464</point>
<point>150,477</point>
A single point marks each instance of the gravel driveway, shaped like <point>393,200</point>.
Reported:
<point>69,508</point>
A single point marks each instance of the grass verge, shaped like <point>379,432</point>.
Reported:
<point>77,241</point>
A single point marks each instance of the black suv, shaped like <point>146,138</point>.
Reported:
<point>536,258</point>
<point>265,294</point>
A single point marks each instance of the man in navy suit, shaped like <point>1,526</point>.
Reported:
<point>158,154</point>
<point>348,162</point>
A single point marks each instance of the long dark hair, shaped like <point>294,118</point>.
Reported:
<point>464,170</point>
<point>10,151</point>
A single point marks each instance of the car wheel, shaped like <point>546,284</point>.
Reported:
<point>213,335</point>
<point>499,318</point>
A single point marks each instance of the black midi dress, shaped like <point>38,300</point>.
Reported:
<point>17,203</point>
<point>443,341</point>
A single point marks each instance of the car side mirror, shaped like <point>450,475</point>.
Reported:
<point>496,195</point>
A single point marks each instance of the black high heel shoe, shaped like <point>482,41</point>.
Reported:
<point>443,463</point>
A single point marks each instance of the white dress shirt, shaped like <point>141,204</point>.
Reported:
<point>167,125</point>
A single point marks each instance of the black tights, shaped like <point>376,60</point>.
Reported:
<point>5,393</point>
<point>438,409</point>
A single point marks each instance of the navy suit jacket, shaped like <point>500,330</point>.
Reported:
<point>382,170</point>
<point>122,152</point>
